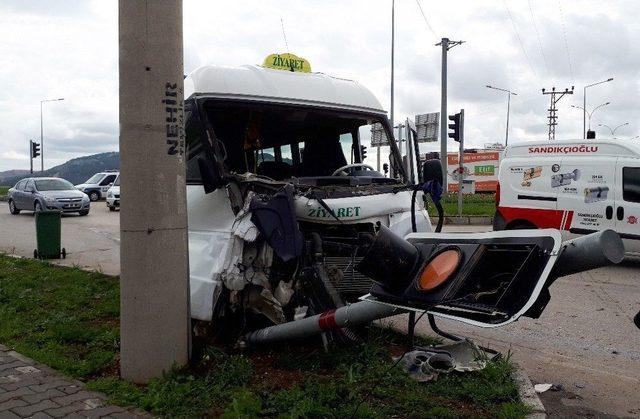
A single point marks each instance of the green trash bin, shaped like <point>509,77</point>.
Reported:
<point>48,232</point>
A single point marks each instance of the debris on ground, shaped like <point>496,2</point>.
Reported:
<point>542,387</point>
<point>425,363</point>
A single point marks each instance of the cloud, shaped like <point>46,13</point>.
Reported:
<point>70,49</point>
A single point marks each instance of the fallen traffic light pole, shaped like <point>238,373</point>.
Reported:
<point>452,294</point>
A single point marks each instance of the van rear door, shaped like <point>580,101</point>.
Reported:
<point>627,205</point>
<point>586,193</point>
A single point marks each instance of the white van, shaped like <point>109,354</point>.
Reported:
<point>578,187</point>
<point>283,147</point>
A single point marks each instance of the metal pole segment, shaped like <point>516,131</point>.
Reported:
<point>589,252</point>
<point>154,283</point>
<point>356,314</point>
<point>41,141</point>
<point>506,135</point>
<point>461,162</point>
<point>443,113</point>
<point>393,25</point>
<point>31,156</point>
<point>584,113</point>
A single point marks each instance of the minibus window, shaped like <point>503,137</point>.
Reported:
<point>631,184</point>
<point>195,136</point>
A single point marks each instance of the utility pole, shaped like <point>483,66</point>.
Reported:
<point>461,162</point>
<point>393,29</point>
<point>446,45</point>
<point>553,118</point>
<point>154,280</point>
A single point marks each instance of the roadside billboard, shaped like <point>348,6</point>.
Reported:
<point>481,167</point>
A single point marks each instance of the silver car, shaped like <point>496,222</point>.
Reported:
<point>47,193</point>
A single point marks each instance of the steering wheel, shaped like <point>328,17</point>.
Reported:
<point>342,171</point>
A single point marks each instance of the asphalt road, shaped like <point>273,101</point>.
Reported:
<point>585,339</point>
<point>91,242</point>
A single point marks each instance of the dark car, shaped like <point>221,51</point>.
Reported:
<point>47,193</point>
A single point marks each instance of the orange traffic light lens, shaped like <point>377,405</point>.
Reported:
<point>439,270</point>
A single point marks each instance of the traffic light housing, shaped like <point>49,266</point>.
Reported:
<point>363,152</point>
<point>35,149</point>
<point>456,126</point>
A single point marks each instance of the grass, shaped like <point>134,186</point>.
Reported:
<point>68,318</point>
<point>476,204</point>
<point>63,317</point>
<point>4,190</point>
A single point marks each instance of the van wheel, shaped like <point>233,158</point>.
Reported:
<point>112,208</point>
<point>12,208</point>
<point>94,196</point>
<point>521,225</point>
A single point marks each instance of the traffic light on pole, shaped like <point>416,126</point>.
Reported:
<point>35,150</point>
<point>363,152</point>
<point>456,127</point>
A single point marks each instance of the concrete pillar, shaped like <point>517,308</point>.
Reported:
<point>154,301</point>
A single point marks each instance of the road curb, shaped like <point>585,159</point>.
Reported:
<point>528,394</point>
<point>464,220</point>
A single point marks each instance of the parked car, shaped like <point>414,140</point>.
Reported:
<point>98,185</point>
<point>47,193</point>
<point>113,195</point>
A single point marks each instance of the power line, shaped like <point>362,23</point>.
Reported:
<point>566,42</point>
<point>284,34</point>
<point>515,29</point>
<point>425,19</point>
<point>492,108</point>
<point>535,27</point>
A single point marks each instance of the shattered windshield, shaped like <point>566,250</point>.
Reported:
<point>281,142</point>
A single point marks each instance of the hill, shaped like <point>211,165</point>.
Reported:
<point>11,174</point>
<point>75,170</point>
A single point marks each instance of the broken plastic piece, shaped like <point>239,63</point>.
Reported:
<point>425,363</point>
<point>276,220</point>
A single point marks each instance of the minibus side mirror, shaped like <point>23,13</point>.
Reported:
<point>211,179</point>
<point>432,170</point>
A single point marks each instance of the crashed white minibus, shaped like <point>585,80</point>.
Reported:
<point>254,130</point>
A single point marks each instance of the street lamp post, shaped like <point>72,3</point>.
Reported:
<point>590,113</point>
<point>613,130</point>
<point>584,105</point>
<point>42,130</point>
<point>509,93</point>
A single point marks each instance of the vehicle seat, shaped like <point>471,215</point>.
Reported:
<point>275,170</point>
<point>322,157</point>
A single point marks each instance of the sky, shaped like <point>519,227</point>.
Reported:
<point>69,49</point>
